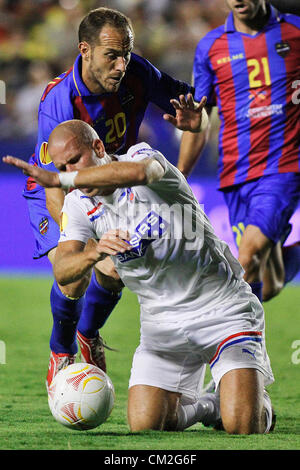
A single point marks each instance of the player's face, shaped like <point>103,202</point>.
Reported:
<point>69,154</point>
<point>104,65</point>
<point>245,10</point>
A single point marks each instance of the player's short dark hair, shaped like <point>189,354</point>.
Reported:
<point>94,21</point>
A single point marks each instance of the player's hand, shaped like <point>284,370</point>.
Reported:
<point>105,265</point>
<point>48,179</point>
<point>190,115</point>
<point>113,242</point>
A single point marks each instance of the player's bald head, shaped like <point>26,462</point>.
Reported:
<point>73,129</point>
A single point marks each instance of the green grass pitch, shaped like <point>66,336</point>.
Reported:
<point>25,419</point>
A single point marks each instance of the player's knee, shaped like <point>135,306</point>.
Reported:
<point>157,422</point>
<point>108,282</point>
<point>145,423</point>
<point>152,408</point>
<point>248,422</point>
<point>251,262</point>
<point>272,291</point>
<point>76,289</point>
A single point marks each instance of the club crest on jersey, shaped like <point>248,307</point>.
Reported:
<point>282,48</point>
<point>44,225</point>
<point>44,154</point>
<point>153,226</point>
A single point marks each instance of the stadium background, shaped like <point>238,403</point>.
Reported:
<point>38,41</point>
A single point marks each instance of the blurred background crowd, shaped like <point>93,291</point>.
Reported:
<point>38,41</point>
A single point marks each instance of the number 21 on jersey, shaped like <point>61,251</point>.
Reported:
<point>258,69</point>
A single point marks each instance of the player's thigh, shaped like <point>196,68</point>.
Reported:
<point>266,203</point>
<point>241,401</point>
<point>151,407</point>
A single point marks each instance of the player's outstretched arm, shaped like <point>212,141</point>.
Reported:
<point>190,115</point>
<point>48,179</point>
<point>110,176</point>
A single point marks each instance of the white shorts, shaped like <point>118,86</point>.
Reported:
<point>172,354</point>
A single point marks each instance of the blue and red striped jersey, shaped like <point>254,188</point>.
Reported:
<point>252,80</point>
<point>116,117</point>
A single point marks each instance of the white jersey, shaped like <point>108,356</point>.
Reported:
<point>177,265</point>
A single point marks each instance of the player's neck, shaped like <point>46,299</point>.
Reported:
<point>252,25</point>
<point>92,85</point>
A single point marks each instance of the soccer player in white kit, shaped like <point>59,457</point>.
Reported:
<point>195,307</point>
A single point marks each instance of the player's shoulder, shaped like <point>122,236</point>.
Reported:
<point>205,43</point>
<point>57,86</point>
<point>73,198</point>
<point>291,19</point>
<point>141,67</point>
<point>76,203</point>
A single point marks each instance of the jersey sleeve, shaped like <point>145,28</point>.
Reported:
<point>74,223</point>
<point>203,78</point>
<point>172,176</point>
<point>55,107</point>
<point>160,88</point>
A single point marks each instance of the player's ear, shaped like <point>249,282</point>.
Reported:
<point>85,50</point>
<point>99,148</point>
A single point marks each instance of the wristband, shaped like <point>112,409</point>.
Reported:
<point>154,171</point>
<point>67,179</point>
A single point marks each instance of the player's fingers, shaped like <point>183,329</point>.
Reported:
<point>170,118</point>
<point>203,102</point>
<point>190,101</point>
<point>113,233</point>
<point>175,104</point>
<point>15,162</point>
<point>114,246</point>
<point>182,101</point>
<point>124,234</point>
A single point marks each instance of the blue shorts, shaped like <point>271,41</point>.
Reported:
<point>268,203</point>
<point>45,229</point>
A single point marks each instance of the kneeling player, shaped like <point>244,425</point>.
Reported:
<point>196,309</point>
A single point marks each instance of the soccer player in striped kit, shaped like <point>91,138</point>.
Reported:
<point>108,87</point>
<point>249,69</point>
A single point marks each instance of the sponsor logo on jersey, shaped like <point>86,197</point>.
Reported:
<point>152,227</point>
<point>44,225</point>
<point>44,154</point>
<point>225,60</point>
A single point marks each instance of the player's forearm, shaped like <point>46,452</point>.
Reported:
<point>191,147</point>
<point>71,267</point>
<point>54,202</point>
<point>287,6</point>
<point>119,175</point>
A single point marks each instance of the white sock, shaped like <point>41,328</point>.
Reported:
<point>268,411</point>
<point>192,413</point>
